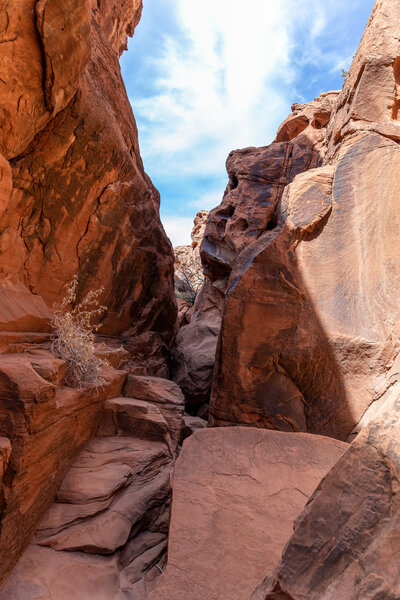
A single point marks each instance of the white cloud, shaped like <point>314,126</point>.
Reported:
<point>223,76</point>
<point>207,200</point>
<point>217,83</point>
<point>178,229</point>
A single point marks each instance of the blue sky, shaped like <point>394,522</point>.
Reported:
<point>207,77</point>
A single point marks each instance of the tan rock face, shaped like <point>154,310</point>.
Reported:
<point>81,202</point>
<point>369,101</point>
<point>236,493</point>
<point>166,395</point>
<point>346,540</point>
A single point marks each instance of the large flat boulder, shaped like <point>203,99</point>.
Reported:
<point>236,493</point>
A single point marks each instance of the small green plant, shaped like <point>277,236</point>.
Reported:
<point>344,73</point>
<point>74,338</point>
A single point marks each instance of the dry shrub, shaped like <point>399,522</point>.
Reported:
<point>189,278</point>
<point>74,338</point>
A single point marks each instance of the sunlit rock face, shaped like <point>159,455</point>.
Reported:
<point>81,203</point>
<point>311,319</point>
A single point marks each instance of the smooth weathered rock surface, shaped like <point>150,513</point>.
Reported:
<point>114,501</point>
<point>81,203</point>
<point>236,493</point>
<point>311,320</point>
<point>20,310</point>
<point>346,541</point>
<point>257,177</point>
<point>167,397</point>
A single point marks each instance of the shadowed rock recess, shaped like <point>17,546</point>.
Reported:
<point>291,346</point>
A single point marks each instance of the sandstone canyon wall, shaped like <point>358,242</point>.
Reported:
<point>75,200</point>
<point>257,178</point>
<point>302,284</point>
<point>310,324</point>
<point>81,203</point>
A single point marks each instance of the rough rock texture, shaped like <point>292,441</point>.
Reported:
<point>236,493</point>
<point>48,425</point>
<point>311,320</point>
<point>188,270</point>
<point>346,541</point>
<point>257,177</point>
<point>193,353</point>
<point>80,202</point>
<point>114,501</point>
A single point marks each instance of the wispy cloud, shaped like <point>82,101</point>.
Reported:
<point>178,229</point>
<point>222,74</point>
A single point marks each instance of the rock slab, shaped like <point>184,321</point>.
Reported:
<point>236,493</point>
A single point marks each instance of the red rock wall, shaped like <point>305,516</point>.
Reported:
<point>81,202</point>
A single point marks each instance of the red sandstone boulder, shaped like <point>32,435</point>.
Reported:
<point>167,397</point>
<point>236,493</point>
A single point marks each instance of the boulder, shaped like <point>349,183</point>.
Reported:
<point>165,395</point>
<point>236,493</point>
<point>191,424</point>
<point>346,540</point>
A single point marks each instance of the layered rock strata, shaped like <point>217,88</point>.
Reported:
<point>47,425</point>
<point>107,530</point>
